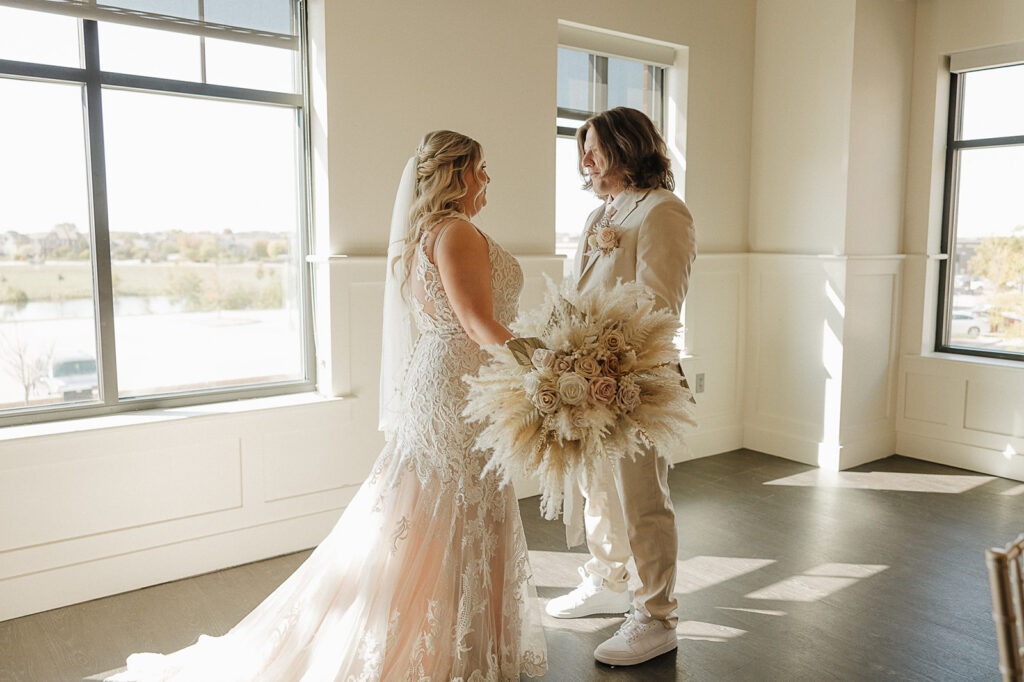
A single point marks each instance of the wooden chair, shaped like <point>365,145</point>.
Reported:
<point>1005,569</point>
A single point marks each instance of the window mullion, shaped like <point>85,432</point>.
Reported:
<point>601,83</point>
<point>202,44</point>
<point>103,292</point>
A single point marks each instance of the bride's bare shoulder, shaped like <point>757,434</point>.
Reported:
<point>458,237</point>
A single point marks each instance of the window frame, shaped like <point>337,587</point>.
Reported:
<point>950,200</point>
<point>598,92</point>
<point>93,79</point>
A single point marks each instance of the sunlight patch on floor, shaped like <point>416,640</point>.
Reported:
<point>561,569</point>
<point>700,572</point>
<point>1018,490</point>
<point>587,625</point>
<point>884,480</point>
<point>707,632</point>
<point>760,612</point>
<point>817,583</point>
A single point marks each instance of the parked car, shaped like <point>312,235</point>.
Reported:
<point>967,324</point>
<point>73,377</point>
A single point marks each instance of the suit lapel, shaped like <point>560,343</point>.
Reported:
<point>636,196</point>
<point>632,201</point>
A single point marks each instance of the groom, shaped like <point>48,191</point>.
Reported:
<point>643,232</point>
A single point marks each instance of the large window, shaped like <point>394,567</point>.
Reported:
<point>982,295</point>
<point>589,84</point>
<point>153,213</point>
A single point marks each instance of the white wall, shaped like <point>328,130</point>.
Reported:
<point>397,70</point>
<point>961,411</point>
<point>802,94</point>
<point>827,160</point>
<point>879,125</point>
<point>96,507</point>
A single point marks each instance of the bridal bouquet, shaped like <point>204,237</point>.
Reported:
<point>593,376</point>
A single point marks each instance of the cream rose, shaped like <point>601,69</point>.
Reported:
<point>614,341</point>
<point>587,366</point>
<point>563,364</point>
<point>607,238</point>
<point>611,367</point>
<point>628,395</point>
<point>602,391</point>
<point>578,418</point>
<point>572,388</point>
<point>543,358</point>
<point>546,398</point>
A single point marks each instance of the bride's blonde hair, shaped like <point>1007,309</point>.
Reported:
<point>441,159</point>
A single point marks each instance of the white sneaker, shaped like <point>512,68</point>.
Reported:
<point>639,639</point>
<point>589,598</point>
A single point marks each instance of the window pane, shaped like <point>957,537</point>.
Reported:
<point>988,269</point>
<point>568,123</point>
<point>572,204</point>
<point>188,9</point>
<point>573,80</point>
<point>149,52</point>
<point>47,329</point>
<point>627,85</point>
<point>204,227</point>
<point>276,16</point>
<point>993,103</point>
<point>38,37</point>
<point>250,66</point>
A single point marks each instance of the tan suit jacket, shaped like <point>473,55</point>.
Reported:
<point>657,246</point>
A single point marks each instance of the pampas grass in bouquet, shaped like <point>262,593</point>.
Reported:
<point>593,376</point>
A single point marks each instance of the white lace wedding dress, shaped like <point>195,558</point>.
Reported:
<point>426,574</point>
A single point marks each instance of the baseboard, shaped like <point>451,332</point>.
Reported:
<point>782,445</point>
<point>806,451</point>
<point>715,441</point>
<point>867,449</point>
<point>961,455</point>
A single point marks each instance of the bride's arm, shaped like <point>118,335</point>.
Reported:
<point>461,256</point>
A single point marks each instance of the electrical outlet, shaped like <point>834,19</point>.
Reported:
<point>699,384</point>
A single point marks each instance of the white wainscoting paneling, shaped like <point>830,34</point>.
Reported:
<point>962,411</point>
<point>822,337</point>
<point>715,328</point>
<point>115,507</point>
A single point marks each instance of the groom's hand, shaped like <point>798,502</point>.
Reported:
<point>522,349</point>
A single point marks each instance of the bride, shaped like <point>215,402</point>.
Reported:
<point>426,574</point>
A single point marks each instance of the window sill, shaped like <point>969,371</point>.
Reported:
<point>973,360</point>
<point>161,415</point>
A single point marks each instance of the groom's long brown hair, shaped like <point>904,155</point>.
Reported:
<point>631,145</point>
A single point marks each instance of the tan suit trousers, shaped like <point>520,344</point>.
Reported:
<point>638,499</point>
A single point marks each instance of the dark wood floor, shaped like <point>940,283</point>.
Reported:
<point>785,573</point>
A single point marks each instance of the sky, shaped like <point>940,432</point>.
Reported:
<point>172,162</point>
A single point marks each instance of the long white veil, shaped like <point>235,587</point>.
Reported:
<point>399,331</point>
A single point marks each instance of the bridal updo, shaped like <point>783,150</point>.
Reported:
<point>441,160</point>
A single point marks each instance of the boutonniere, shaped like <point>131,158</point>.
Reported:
<point>605,238</point>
